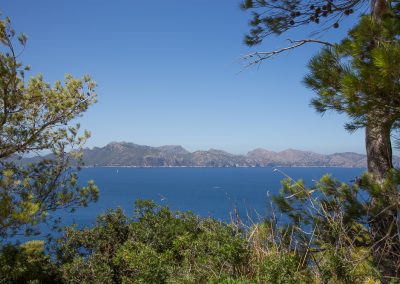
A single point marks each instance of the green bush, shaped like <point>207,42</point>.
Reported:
<point>26,263</point>
<point>283,268</point>
<point>140,263</point>
<point>347,233</point>
<point>157,245</point>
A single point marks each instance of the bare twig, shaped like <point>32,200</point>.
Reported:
<point>257,57</point>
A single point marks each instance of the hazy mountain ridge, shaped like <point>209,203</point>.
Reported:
<point>125,154</point>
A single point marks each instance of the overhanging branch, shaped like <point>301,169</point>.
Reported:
<point>257,57</point>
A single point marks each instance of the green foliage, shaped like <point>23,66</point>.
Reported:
<point>360,76</point>
<point>120,249</point>
<point>344,265</point>
<point>142,264</point>
<point>88,254</point>
<point>341,228</point>
<point>34,117</point>
<point>86,270</point>
<point>190,249</point>
<point>26,264</point>
<point>283,268</point>
<point>155,246</point>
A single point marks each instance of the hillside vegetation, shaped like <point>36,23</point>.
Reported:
<point>157,245</point>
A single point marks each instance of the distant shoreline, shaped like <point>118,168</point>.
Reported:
<point>224,167</point>
<point>130,155</point>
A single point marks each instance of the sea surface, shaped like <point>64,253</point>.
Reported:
<point>214,192</point>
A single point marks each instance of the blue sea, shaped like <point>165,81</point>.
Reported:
<point>207,192</point>
<point>213,192</point>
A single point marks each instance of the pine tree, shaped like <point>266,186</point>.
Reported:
<point>34,117</point>
<point>361,77</point>
<point>372,53</point>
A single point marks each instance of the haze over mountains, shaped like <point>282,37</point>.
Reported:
<point>123,154</point>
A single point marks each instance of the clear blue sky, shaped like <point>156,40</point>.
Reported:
<point>169,72</point>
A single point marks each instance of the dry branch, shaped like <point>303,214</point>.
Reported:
<point>257,57</point>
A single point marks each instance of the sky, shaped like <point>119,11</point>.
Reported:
<point>171,73</point>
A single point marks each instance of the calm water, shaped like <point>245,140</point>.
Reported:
<point>214,192</point>
<point>205,191</point>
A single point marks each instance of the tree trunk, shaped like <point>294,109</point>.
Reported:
<point>379,150</point>
<point>377,134</point>
<point>379,8</point>
<point>384,218</point>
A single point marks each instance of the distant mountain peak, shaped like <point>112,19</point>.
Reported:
<point>118,143</point>
<point>261,150</point>
<point>173,149</point>
<point>291,150</point>
<point>119,146</point>
<point>112,143</point>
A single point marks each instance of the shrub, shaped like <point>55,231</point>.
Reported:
<point>326,235</point>
<point>156,245</point>
<point>26,263</point>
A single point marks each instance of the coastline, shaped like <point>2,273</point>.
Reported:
<point>221,167</point>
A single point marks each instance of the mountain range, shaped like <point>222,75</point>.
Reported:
<point>124,154</point>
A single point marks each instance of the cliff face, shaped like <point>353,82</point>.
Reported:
<point>129,154</point>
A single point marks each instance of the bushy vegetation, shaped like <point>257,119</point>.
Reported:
<point>323,236</point>
<point>156,245</point>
